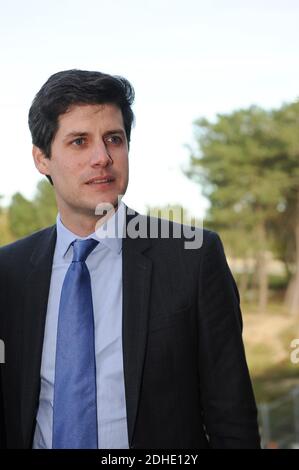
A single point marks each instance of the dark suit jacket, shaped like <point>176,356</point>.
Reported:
<point>186,379</point>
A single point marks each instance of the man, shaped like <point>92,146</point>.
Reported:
<point>118,341</point>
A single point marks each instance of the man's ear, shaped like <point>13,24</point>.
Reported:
<point>41,162</point>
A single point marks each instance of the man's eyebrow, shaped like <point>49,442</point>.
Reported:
<point>84,133</point>
<point>114,131</point>
<point>76,134</point>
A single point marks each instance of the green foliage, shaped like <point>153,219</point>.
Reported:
<point>247,165</point>
<point>5,233</point>
<point>22,216</point>
<point>45,204</point>
<point>27,216</point>
<point>286,130</point>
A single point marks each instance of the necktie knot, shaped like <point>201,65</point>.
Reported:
<point>83,248</point>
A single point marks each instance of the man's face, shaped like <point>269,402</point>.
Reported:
<point>89,159</point>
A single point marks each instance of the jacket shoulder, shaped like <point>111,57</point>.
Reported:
<point>24,245</point>
<point>174,227</point>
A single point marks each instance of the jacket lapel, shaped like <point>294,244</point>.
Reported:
<point>136,295</point>
<point>35,308</point>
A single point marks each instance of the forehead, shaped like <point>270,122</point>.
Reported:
<point>101,115</point>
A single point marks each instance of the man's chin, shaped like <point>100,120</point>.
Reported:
<point>103,205</point>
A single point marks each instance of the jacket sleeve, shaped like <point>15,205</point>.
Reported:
<point>228,403</point>
<point>3,275</point>
<point>2,422</point>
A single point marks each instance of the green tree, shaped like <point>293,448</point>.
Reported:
<point>27,216</point>
<point>22,216</point>
<point>287,136</point>
<point>5,233</point>
<point>45,204</point>
<point>237,164</point>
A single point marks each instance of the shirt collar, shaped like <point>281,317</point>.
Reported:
<point>110,234</point>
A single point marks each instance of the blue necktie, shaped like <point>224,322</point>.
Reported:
<point>75,400</point>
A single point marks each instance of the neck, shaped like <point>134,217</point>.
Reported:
<point>83,224</point>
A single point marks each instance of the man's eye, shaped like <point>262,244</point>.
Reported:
<point>114,139</point>
<point>79,141</point>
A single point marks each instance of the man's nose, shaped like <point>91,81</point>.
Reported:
<point>100,155</point>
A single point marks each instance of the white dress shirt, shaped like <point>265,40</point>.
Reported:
<point>105,267</point>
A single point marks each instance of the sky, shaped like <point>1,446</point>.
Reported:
<point>186,59</point>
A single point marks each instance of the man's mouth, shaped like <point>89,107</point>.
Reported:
<point>108,179</point>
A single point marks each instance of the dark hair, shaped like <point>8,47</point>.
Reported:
<point>70,87</point>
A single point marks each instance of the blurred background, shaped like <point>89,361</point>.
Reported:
<point>217,135</point>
